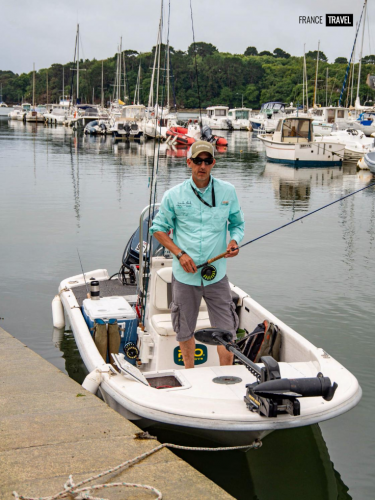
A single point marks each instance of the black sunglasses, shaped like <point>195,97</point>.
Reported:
<point>199,161</point>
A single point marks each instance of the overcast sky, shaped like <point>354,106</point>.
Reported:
<point>43,31</point>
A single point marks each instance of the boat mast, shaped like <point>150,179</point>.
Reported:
<point>327,87</point>
<point>353,69</point>
<point>307,95</point>
<point>77,63</point>
<point>47,87</point>
<point>124,64</point>
<point>158,74</point>
<point>119,70</point>
<point>151,95</point>
<point>102,93</point>
<point>303,78</point>
<point>33,85</point>
<point>168,75</point>
<point>360,54</point>
<point>316,75</point>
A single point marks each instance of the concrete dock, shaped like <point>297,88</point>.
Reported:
<point>50,427</point>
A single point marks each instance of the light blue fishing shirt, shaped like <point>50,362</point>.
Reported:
<point>199,230</point>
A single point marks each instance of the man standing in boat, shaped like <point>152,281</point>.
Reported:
<point>200,211</point>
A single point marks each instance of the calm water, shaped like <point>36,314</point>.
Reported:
<point>60,191</point>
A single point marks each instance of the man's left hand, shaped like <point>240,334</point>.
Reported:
<point>232,253</point>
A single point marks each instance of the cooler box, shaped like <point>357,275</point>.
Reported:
<point>107,308</point>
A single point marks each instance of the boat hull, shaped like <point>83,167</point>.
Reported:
<point>305,154</point>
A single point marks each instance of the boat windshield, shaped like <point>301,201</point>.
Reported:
<point>26,107</point>
<point>220,112</point>
<point>296,128</point>
<point>242,114</point>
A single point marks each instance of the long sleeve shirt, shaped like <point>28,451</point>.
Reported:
<point>200,230</point>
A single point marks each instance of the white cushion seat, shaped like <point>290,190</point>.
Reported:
<point>162,323</point>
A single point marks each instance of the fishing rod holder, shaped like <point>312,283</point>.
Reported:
<point>270,395</point>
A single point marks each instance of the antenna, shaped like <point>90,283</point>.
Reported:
<point>84,277</point>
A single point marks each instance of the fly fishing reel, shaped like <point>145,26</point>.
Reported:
<point>208,272</point>
<point>131,350</point>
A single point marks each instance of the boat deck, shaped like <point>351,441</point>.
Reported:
<point>109,288</point>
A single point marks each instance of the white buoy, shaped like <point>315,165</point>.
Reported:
<point>58,313</point>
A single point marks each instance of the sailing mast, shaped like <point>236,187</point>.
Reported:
<point>303,78</point>
<point>102,93</point>
<point>316,75</point>
<point>124,64</point>
<point>353,69</point>
<point>77,63</point>
<point>33,85</point>
<point>307,95</point>
<point>357,102</point>
<point>327,87</point>
<point>119,71</point>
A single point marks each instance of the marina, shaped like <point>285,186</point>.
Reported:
<point>140,351</point>
<point>63,169</point>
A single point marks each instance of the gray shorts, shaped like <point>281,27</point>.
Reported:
<point>186,300</point>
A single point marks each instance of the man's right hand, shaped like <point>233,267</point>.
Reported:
<point>187,263</point>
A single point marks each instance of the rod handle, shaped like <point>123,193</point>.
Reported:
<point>221,255</point>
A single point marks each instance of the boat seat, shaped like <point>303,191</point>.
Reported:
<point>163,290</point>
<point>162,323</point>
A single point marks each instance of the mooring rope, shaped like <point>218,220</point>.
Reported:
<point>74,490</point>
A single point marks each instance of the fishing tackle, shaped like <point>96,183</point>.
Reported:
<point>210,271</point>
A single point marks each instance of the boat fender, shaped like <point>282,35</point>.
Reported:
<point>58,312</point>
<point>93,381</point>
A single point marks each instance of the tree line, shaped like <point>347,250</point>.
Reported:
<point>223,78</point>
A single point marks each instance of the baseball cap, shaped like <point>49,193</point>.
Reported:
<point>201,147</point>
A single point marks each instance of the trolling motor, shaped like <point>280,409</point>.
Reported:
<point>270,395</point>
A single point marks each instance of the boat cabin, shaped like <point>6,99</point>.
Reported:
<point>272,107</point>
<point>294,130</point>
<point>239,113</point>
<point>330,114</point>
<point>133,112</point>
<point>217,111</point>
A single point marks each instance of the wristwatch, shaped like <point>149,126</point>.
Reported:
<point>179,255</point>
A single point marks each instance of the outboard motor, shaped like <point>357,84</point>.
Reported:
<point>131,253</point>
<point>127,129</point>
<point>207,134</point>
<point>229,123</point>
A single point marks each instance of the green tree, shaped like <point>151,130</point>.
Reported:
<point>202,49</point>
<point>341,60</point>
<point>265,53</point>
<point>368,59</point>
<point>281,54</point>
<point>312,54</point>
<point>251,51</point>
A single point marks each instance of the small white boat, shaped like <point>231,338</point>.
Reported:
<point>293,143</point>
<point>128,124</point>
<point>19,112</point>
<point>217,118</point>
<point>240,118</point>
<point>36,114</point>
<point>326,117</point>
<point>356,143</point>
<point>208,400</point>
<point>369,160</point>
<point>13,115</point>
<point>267,118</point>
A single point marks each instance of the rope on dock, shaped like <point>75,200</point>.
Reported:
<point>74,490</point>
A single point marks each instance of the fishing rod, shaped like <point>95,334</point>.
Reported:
<point>84,276</point>
<point>209,272</point>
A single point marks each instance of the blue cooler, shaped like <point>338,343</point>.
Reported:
<point>107,308</point>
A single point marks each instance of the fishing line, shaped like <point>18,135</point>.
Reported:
<point>209,272</point>
<point>84,276</point>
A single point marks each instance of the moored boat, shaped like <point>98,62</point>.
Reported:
<point>293,143</point>
<point>208,400</point>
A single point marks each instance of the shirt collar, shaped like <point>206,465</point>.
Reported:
<point>196,187</point>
